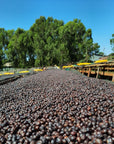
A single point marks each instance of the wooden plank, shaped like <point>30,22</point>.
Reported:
<point>97,65</point>
<point>107,68</point>
<point>106,73</point>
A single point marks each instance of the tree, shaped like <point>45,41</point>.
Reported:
<point>90,48</point>
<point>46,41</point>
<point>30,49</point>
<point>101,53</point>
<point>3,44</point>
<point>112,42</point>
<point>71,35</point>
<point>9,35</point>
<point>78,41</point>
<point>16,49</point>
<point>38,30</point>
<point>95,50</point>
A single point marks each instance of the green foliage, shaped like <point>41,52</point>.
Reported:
<point>112,42</point>
<point>20,51</point>
<point>111,56</point>
<point>101,53</point>
<point>48,42</point>
<point>3,44</point>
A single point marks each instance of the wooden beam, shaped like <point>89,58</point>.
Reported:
<point>105,73</point>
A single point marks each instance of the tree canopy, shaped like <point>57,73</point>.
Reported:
<point>47,42</point>
<point>112,42</point>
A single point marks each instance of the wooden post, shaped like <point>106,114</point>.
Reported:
<point>103,70</point>
<point>83,70</point>
<point>89,72</point>
<point>95,69</point>
<point>97,73</point>
<point>113,78</point>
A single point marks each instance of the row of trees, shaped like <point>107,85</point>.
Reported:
<point>48,42</point>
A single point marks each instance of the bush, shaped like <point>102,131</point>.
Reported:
<point>111,56</point>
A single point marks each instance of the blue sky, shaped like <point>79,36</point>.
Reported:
<point>95,14</point>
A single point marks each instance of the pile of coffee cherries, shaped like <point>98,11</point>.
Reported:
<point>57,107</point>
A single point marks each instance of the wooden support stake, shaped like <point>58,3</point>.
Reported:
<point>103,70</point>
<point>97,73</point>
<point>82,70</point>
<point>95,69</point>
<point>113,78</point>
<point>89,72</point>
